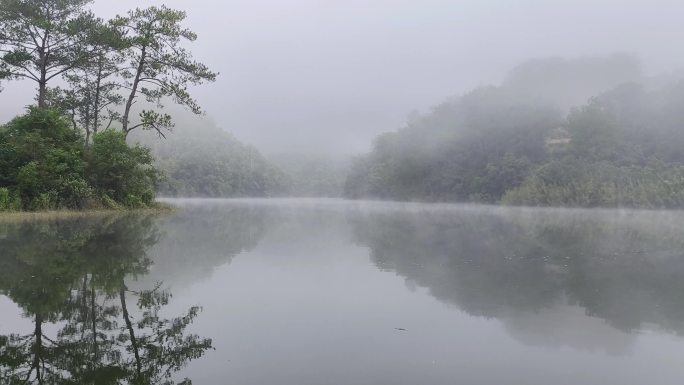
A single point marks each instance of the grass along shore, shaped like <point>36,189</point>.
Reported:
<point>29,216</point>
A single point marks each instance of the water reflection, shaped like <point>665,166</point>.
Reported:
<point>201,238</point>
<point>310,293</point>
<point>73,275</point>
<point>515,265</point>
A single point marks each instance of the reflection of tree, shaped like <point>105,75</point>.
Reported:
<point>212,237</point>
<point>73,273</point>
<point>498,263</point>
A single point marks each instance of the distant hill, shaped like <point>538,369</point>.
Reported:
<point>199,159</point>
<point>524,142</point>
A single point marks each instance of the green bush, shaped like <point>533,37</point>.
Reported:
<point>42,159</point>
<point>121,172</point>
<point>110,203</point>
<point>601,184</point>
<point>9,201</point>
<point>43,166</point>
<point>43,202</point>
<point>5,199</point>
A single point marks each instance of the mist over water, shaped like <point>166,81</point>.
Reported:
<point>312,291</point>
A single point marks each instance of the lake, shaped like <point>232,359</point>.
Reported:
<point>334,292</point>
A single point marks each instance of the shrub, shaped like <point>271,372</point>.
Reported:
<point>110,203</point>
<point>5,199</point>
<point>42,161</point>
<point>121,172</point>
<point>43,167</point>
<point>594,184</point>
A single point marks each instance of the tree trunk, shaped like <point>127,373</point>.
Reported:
<point>38,348</point>
<point>93,316</point>
<point>42,83</point>
<point>131,332</point>
<point>98,85</point>
<point>87,138</point>
<point>42,92</point>
<point>134,90</point>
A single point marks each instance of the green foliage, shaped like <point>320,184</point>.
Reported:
<point>44,161</point>
<point>121,172</point>
<point>623,151</point>
<point>586,184</point>
<point>160,66</point>
<point>45,167</point>
<point>93,95</point>
<point>623,148</point>
<point>4,199</point>
<point>143,53</point>
<point>43,40</point>
<point>471,148</point>
<point>8,200</point>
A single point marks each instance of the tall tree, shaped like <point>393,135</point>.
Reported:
<point>41,40</point>
<point>93,92</point>
<point>160,67</point>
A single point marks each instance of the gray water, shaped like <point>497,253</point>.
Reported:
<point>332,292</point>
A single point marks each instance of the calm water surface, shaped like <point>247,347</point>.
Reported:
<point>331,292</point>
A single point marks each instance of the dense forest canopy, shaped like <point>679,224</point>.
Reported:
<point>470,148</point>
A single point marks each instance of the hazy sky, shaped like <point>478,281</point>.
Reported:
<point>328,75</point>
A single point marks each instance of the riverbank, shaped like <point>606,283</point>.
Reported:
<point>29,216</point>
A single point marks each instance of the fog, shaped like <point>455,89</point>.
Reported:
<point>328,76</point>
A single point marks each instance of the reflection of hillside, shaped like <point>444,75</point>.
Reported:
<point>568,326</point>
<point>626,270</point>
<point>196,241</point>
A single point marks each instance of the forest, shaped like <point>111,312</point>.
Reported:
<point>202,160</point>
<point>515,145</point>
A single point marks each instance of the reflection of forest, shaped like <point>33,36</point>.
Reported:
<point>197,240</point>
<point>95,278</point>
<point>625,269</point>
<point>75,273</point>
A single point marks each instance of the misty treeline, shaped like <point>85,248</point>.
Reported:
<point>202,160</point>
<point>519,143</point>
<point>97,81</point>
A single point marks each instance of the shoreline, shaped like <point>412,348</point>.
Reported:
<point>414,204</point>
<point>27,216</point>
